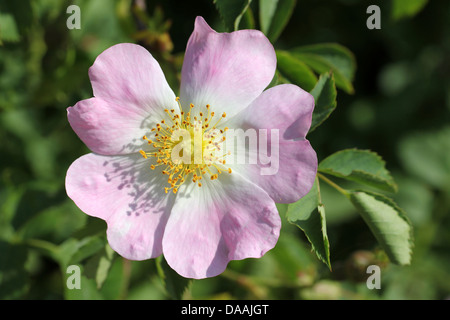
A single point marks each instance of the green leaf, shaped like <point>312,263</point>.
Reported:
<point>232,11</point>
<point>293,260</point>
<point>36,197</point>
<point>388,223</point>
<point>247,20</point>
<point>175,284</point>
<point>361,166</point>
<point>274,16</point>
<point>10,198</point>
<point>295,70</point>
<point>97,267</point>
<point>324,93</point>
<point>118,278</point>
<point>309,215</point>
<point>54,224</point>
<point>73,251</point>
<point>14,280</point>
<point>99,21</point>
<point>22,13</point>
<point>330,56</point>
<point>8,29</point>
<point>267,9</point>
<point>422,155</point>
<point>88,289</point>
<point>87,247</point>
<point>406,8</point>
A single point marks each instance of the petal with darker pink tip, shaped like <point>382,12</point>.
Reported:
<point>131,94</point>
<point>226,70</point>
<point>225,219</point>
<point>285,163</point>
<point>107,128</point>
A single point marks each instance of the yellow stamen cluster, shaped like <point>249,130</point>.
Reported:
<point>165,139</point>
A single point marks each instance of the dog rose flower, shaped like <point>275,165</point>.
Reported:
<point>200,208</point>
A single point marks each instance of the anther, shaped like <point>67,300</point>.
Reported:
<point>177,172</point>
<point>143,154</point>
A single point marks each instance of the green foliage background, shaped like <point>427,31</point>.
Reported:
<point>396,104</point>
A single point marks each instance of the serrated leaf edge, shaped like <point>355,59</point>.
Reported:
<point>330,75</point>
<point>401,213</point>
<point>390,182</point>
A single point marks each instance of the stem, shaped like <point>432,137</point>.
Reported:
<point>318,189</point>
<point>334,185</point>
<point>126,274</point>
<point>41,244</point>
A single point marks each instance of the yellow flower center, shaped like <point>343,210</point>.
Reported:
<point>188,147</point>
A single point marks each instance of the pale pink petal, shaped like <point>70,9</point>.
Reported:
<point>226,219</point>
<point>286,108</point>
<point>128,74</point>
<point>128,195</point>
<point>288,178</point>
<point>107,128</point>
<point>287,165</point>
<point>131,94</point>
<point>226,70</point>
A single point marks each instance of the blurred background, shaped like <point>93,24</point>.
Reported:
<point>400,109</point>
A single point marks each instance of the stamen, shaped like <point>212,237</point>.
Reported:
<point>178,172</point>
<point>143,154</point>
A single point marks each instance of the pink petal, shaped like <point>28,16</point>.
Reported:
<point>107,128</point>
<point>287,109</point>
<point>128,195</point>
<point>131,94</point>
<point>226,70</point>
<point>291,178</point>
<point>226,219</point>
